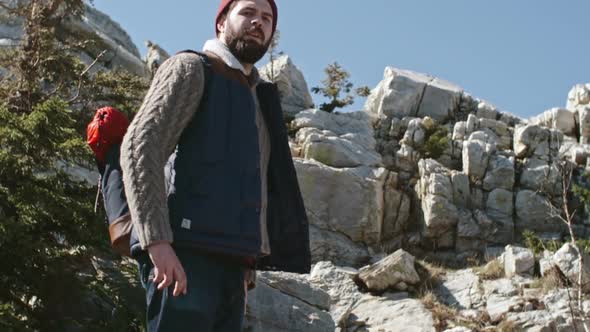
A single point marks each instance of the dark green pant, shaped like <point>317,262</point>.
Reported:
<point>214,299</point>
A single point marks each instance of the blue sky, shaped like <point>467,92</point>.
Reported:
<point>521,55</point>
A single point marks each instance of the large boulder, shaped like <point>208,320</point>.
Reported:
<point>557,118</point>
<point>518,261</point>
<point>579,95</point>
<point>533,140</point>
<point>292,87</point>
<point>337,151</point>
<point>394,271</point>
<point>282,303</point>
<point>344,200</point>
<point>296,285</point>
<point>339,284</point>
<point>404,93</point>
<point>339,140</point>
<point>568,261</point>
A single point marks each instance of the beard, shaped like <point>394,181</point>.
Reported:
<point>246,50</point>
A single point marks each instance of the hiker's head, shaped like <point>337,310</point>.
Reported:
<point>246,27</point>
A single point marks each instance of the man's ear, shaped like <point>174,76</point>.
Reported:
<point>221,24</point>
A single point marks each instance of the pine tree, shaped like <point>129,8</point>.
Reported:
<point>47,222</point>
<point>335,85</point>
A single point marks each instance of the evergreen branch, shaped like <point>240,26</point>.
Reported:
<point>84,73</point>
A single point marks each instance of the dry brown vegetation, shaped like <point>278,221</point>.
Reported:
<point>491,271</point>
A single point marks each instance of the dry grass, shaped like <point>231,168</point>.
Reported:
<point>491,271</point>
<point>441,314</point>
<point>445,317</point>
<point>553,279</point>
<point>430,277</point>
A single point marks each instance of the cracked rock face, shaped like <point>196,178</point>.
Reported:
<point>343,200</point>
<point>436,193</point>
<point>122,52</point>
<point>282,303</point>
<point>338,283</point>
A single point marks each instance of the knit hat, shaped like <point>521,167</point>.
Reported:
<point>225,4</point>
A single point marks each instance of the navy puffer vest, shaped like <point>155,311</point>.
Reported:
<point>214,178</point>
<point>214,194</point>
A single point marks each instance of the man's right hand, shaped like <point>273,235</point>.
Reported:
<point>167,268</point>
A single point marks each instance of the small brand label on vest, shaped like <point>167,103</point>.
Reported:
<point>186,224</point>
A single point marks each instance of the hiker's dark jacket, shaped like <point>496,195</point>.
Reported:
<point>214,180</point>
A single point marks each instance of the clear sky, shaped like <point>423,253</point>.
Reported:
<point>521,55</point>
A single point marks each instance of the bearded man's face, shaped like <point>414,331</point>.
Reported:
<point>247,30</point>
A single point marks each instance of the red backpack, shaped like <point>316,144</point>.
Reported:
<point>108,127</point>
<point>105,133</point>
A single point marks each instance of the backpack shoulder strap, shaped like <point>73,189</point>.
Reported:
<point>206,67</point>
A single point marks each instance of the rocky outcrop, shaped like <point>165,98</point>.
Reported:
<point>561,119</point>
<point>425,167</point>
<point>293,89</point>
<point>349,196</point>
<point>155,56</point>
<point>338,140</point>
<point>348,201</point>
<point>405,93</point>
<point>121,51</point>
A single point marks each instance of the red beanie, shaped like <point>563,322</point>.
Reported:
<point>225,4</point>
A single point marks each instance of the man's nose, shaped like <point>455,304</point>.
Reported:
<point>257,21</point>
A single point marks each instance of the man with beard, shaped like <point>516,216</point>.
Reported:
<point>228,200</point>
